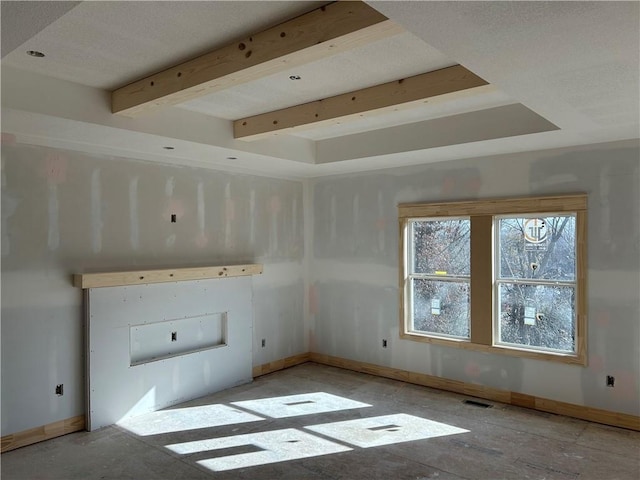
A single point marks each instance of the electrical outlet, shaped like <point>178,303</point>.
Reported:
<point>264,342</point>
<point>610,381</point>
<point>384,343</point>
<point>60,389</point>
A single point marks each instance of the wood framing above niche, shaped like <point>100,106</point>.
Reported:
<point>141,277</point>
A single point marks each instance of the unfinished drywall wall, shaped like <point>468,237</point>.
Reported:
<point>136,368</point>
<point>353,294</point>
<point>66,212</point>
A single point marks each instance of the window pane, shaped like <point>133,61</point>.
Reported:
<point>441,307</point>
<point>537,315</point>
<point>538,247</point>
<point>441,247</point>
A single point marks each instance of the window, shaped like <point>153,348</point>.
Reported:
<point>439,276</point>
<point>536,281</point>
<point>504,275</point>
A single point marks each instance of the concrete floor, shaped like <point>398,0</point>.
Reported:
<point>467,442</point>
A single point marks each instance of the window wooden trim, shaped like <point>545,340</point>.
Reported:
<point>482,214</point>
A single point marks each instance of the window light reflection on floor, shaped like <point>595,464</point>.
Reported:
<point>261,448</point>
<point>273,446</point>
<point>384,430</point>
<point>190,418</point>
<point>303,404</point>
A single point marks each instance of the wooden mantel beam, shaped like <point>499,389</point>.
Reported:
<point>373,100</point>
<point>323,32</point>
<point>142,277</point>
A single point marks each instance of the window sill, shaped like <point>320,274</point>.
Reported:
<point>509,350</point>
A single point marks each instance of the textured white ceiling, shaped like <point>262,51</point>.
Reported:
<point>21,20</point>
<point>576,63</point>
<point>109,44</point>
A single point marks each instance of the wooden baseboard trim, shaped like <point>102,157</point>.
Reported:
<point>75,424</point>
<point>615,419</point>
<point>44,432</point>
<point>280,364</point>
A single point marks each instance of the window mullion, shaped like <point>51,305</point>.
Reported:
<point>481,279</point>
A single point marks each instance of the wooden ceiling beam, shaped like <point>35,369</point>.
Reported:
<point>394,95</point>
<point>323,32</point>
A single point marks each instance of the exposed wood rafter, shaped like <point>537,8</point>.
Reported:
<point>323,32</point>
<point>403,93</point>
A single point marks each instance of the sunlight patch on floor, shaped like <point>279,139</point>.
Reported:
<point>303,404</point>
<point>190,418</point>
<point>274,446</point>
<point>261,448</point>
<point>384,430</point>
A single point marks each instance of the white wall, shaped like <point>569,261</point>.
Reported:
<point>67,212</point>
<point>354,269</point>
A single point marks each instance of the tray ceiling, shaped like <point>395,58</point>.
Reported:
<point>564,86</point>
